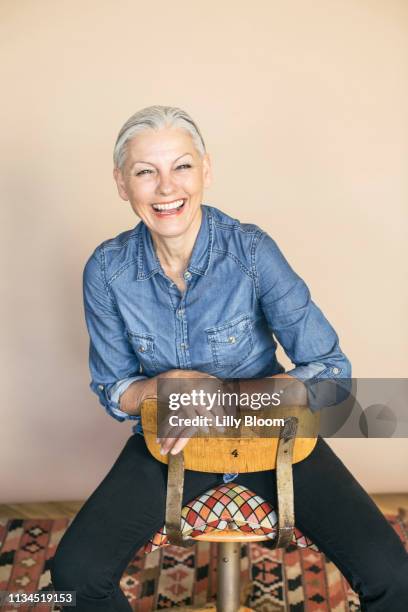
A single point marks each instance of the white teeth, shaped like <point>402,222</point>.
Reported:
<point>170,206</point>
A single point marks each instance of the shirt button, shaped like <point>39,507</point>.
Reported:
<point>336,371</point>
<point>187,275</point>
<point>231,339</point>
<point>180,312</point>
<point>100,387</point>
<point>183,345</point>
<point>141,349</point>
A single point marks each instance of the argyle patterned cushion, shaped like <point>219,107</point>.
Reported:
<point>228,506</point>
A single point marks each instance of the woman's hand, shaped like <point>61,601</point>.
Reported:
<point>141,390</point>
<point>175,444</point>
<point>136,393</point>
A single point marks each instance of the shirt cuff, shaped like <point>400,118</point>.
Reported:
<point>116,391</point>
<point>306,372</point>
<point>326,384</point>
<point>109,396</point>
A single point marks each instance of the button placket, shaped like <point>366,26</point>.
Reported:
<point>182,345</point>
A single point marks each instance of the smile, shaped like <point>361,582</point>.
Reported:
<point>169,207</point>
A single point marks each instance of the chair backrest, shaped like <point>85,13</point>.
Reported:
<point>244,454</point>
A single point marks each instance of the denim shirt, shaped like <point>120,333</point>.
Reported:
<point>241,297</point>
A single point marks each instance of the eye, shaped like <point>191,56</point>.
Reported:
<point>183,166</point>
<point>142,172</point>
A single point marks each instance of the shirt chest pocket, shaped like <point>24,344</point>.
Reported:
<point>144,347</point>
<point>231,342</point>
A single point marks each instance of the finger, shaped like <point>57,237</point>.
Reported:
<point>179,445</point>
<point>168,442</point>
<point>170,431</point>
<point>174,431</point>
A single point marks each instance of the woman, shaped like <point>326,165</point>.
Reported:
<point>192,292</point>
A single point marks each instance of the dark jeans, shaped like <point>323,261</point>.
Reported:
<point>129,506</point>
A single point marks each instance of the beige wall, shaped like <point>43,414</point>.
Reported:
<point>303,108</point>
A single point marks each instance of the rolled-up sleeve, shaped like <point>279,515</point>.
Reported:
<point>298,324</point>
<point>112,362</point>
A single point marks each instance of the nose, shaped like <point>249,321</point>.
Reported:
<point>165,184</point>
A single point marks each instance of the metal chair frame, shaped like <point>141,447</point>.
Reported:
<point>229,550</point>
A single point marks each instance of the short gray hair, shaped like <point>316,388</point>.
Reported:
<point>155,117</point>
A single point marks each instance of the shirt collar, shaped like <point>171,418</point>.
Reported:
<point>148,264</point>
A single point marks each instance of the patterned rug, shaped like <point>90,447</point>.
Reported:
<point>294,580</point>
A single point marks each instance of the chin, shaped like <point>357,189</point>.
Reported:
<point>170,232</point>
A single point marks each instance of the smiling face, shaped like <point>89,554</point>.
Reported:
<point>163,178</point>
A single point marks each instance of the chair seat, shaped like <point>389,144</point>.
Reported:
<point>230,507</point>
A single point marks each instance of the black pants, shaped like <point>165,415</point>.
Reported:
<point>129,506</point>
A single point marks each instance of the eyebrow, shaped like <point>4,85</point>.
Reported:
<point>150,163</point>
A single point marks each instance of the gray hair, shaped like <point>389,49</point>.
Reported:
<point>155,117</point>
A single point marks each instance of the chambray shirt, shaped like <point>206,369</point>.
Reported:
<point>241,297</point>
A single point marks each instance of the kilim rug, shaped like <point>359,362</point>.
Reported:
<point>292,580</point>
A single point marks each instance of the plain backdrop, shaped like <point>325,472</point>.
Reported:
<point>303,109</point>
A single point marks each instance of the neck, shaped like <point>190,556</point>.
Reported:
<point>174,252</point>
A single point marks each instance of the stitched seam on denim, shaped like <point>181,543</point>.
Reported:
<point>235,227</point>
<point>221,363</point>
<point>217,346</point>
<point>255,242</point>
<point>231,323</point>
<point>108,245</point>
<point>140,256</point>
<point>144,336</point>
<point>102,265</point>
<point>245,230</point>
<point>151,353</point>
<point>121,270</point>
<point>143,277</point>
<point>172,302</point>
<point>211,238</point>
<point>237,261</point>
<point>227,226</point>
<point>319,375</point>
<point>140,253</point>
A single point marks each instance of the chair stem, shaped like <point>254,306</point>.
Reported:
<point>228,576</point>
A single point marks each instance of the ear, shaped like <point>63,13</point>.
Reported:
<point>120,184</point>
<point>207,170</point>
